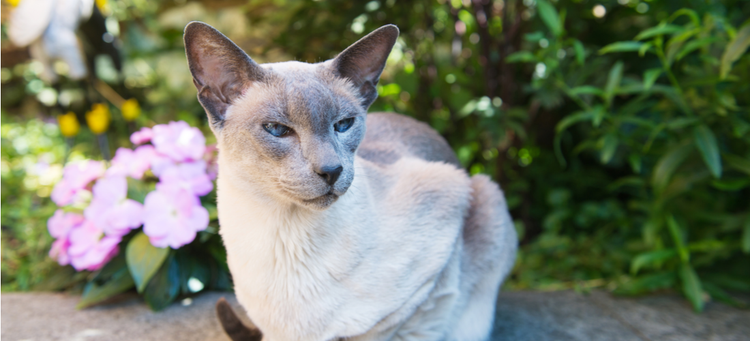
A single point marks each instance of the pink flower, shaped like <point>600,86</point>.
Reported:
<point>110,210</point>
<point>89,248</point>
<point>59,251</point>
<point>142,136</point>
<point>131,163</point>
<point>211,156</point>
<point>173,216</point>
<point>60,225</point>
<point>76,176</point>
<point>179,141</point>
<point>190,176</point>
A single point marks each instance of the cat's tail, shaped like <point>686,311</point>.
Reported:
<point>233,326</point>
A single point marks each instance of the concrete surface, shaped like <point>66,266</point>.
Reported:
<point>521,316</point>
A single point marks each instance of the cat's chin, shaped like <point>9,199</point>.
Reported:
<point>320,203</point>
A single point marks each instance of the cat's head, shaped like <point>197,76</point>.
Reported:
<point>289,129</point>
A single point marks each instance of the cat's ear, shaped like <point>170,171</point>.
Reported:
<point>221,70</point>
<point>363,62</point>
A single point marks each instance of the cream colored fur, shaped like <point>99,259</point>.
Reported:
<point>404,245</point>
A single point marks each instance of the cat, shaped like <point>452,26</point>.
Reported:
<point>340,224</point>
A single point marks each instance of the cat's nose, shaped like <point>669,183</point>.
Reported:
<point>330,173</point>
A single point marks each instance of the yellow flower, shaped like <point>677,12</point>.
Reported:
<point>14,3</point>
<point>102,4</point>
<point>98,118</point>
<point>130,109</point>
<point>69,125</point>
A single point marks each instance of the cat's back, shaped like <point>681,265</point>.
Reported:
<point>391,136</point>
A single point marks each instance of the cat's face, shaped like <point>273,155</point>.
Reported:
<point>291,129</point>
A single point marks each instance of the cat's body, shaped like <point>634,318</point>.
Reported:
<point>390,240</point>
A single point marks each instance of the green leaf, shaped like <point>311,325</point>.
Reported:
<point>613,82</point>
<point>609,147</point>
<point>647,283</point>
<point>645,48</point>
<point>691,286</point>
<point>738,163</point>
<point>635,163</point>
<point>569,120</point>
<point>730,185</point>
<point>621,46</point>
<point>520,57</point>
<point>114,278</point>
<point>580,51</point>
<point>689,12</point>
<point>706,143</point>
<point>586,90</point>
<point>746,236</point>
<point>675,231</point>
<point>144,259</point>
<point>735,49</point>
<point>694,45</point>
<point>650,76</point>
<point>164,285</point>
<point>658,30</point>
<point>720,295</point>
<point>681,122</point>
<point>549,15</point>
<point>649,258</point>
<point>668,163</point>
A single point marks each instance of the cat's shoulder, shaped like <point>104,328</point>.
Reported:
<point>391,136</point>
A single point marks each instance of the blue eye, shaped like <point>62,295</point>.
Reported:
<point>343,125</point>
<point>276,129</point>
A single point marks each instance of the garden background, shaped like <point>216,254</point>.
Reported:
<point>618,129</point>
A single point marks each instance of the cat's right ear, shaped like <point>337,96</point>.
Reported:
<point>221,70</point>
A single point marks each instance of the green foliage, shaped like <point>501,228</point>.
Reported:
<point>144,259</point>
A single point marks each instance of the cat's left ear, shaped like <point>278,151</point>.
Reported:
<point>363,62</point>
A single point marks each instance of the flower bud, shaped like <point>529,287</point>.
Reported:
<point>98,118</point>
<point>130,109</point>
<point>69,125</point>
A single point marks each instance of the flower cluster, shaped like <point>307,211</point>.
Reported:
<point>171,215</point>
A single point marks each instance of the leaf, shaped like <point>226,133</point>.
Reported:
<point>569,120</point>
<point>645,48</point>
<point>144,259</point>
<point>691,286</point>
<point>586,90</point>
<point>613,82</point>
<point>706,143</point>
<point>621,46</point>
<point>164,285</point>
<point>720,295</point>
<point>688,12</point>
<point>735,49</point>
<point>580,51</point>
<point>668,163</point>
<point>694,45</point>
<point>676,232</point>
<point>681,122</point>
<point>549,15</point>
<point>649,258</point>
<point>609,147</point>
<point>746,236</point>
<point>520,57</point>
<point>635,163</point>
<point>112,279</point>
<point>650,76</point>
<point>730,185</point>
<point>647,284</point>
<point>737,163</point>
<point>658,30</point>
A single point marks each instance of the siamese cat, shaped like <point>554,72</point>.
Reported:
<point>340,224</point>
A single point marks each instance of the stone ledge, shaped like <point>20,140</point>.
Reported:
<point>521,316</point>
